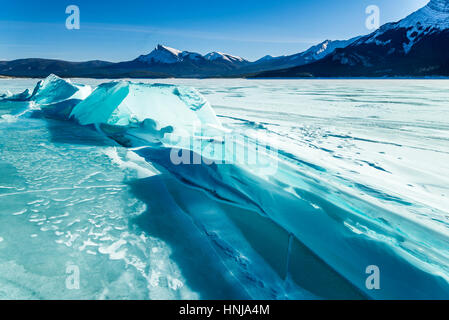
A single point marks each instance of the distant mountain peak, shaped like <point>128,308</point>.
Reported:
<point>173,51</point>
<point>265,58</point>
<point>325,48</point>
<point>216,55</point>
<point>162,54</point>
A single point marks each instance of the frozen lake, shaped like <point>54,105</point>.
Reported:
<point>371,157</point>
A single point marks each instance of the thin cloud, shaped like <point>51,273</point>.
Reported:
<point>167,31</point>
<point>195,34</point>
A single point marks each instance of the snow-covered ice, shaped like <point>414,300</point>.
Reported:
<point>361,178</point>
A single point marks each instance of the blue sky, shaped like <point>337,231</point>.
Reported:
<point>122,30</point>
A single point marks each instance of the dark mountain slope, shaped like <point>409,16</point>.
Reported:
<point>415,46</point>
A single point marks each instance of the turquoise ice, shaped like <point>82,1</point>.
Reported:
<point>89,181</point>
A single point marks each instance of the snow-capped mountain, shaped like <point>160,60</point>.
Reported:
<point>312,54</point>
<point>214,56</point>
<point>162,54</point>
<point>324,48</point>
<point>431,19</point>
<point>417,45</point>
<point>434,15</point>
<point>167,55</point>
<point>165,61</point>
<point>232,64</point>
<point>187,64</point>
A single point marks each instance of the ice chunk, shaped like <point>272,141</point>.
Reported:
<point>155,107</point>
<point>54,89</point>
<point>23,96</point>
<point>51,90</point>
<point>59,110</point>
<point>6,94</point>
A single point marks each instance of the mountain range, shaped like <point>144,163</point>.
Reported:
<point>164,61</point>
<point>415,46</point>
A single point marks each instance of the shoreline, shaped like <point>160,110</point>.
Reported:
<point>6,77</point>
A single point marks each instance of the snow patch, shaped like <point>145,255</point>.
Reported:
<point>212,56</point>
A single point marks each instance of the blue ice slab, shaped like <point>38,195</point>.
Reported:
<point>180,110</point>
<point>52,89</point>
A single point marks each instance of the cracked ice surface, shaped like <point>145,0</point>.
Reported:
<point>362,180</point>
<point>64,204</point>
